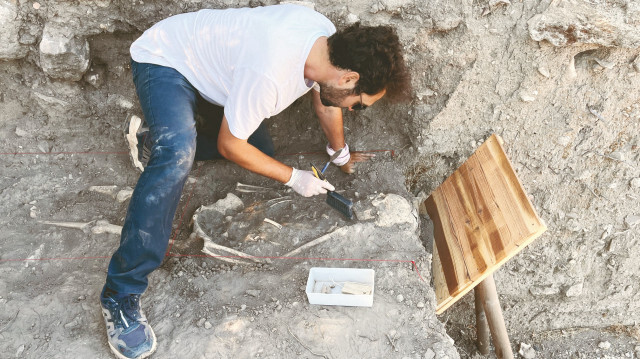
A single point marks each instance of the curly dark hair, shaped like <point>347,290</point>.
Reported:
<point>375,53</point>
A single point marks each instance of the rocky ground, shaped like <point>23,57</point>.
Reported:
<point>558,80</point>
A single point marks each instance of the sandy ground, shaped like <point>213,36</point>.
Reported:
<point>569,115</point>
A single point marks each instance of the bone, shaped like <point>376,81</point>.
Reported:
<point>337,233</point>
<point>95,227</point>
<point>247,188</point>
<point>276,224</point>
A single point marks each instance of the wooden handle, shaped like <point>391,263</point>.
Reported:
<point>491,304</point>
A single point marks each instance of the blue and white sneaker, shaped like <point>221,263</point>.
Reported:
<point>128,333</point>
<point>137,141</point>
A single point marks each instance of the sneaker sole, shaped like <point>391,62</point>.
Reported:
<point>130,136</point>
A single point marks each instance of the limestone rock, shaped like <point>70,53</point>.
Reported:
<point>394,210</point>
<point>542,291</point>
<point>10,23</point>
<point>526,351</point>
<point>575,290</point>
<point>631,220</point>
<point>63,55</point>
<point>569,23</point>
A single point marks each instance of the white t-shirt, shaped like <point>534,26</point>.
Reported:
<point>249,60</point>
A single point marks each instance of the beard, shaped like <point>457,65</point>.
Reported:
<point>331,96</point>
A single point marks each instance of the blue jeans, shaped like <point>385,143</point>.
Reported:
<point>170,105</point>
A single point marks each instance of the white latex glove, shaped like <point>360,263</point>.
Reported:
<point>307,185</point>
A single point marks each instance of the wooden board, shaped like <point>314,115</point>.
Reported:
<point>481,217</point>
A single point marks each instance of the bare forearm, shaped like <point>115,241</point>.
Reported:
<point>331,121</point>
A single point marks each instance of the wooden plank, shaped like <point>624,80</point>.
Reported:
<point>479,202</point>
<point>501,239</point>
<point>504,198</point>
<point>451,259</point>
<point>482,217</point>
<point>533,221</point>
<point>439,281</point>
<point>465,226</point>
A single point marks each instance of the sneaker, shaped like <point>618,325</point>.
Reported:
<point>136,137</point>
<point>128,333</point>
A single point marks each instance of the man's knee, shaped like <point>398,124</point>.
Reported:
<point>176,149</point>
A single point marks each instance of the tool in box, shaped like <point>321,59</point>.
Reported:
<point>334,199</point>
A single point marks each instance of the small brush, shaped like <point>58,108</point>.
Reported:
<point>341,204</point>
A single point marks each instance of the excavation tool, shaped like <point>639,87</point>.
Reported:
<point>333,157</point>
<point>334,199</point>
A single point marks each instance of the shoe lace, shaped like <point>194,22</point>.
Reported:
<point>127,310</point>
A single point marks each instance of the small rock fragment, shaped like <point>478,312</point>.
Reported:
<point>544,72</point>
<point>575,290</point>
<point>20,132</point>
<point>527,98</point>
<point>429,354</point>
<point>542,291</point>
<point>124,194</point>
<point>400,298</point>
<point>253,292</point>
<point>19,351</point>
<point>526,351</point>
<point>207,325</point>
<point>33,212</point>
<point>604,345</point>
<point>618,156</point>
<point>352,18</point>
<point>420,305</point>
<point>635,183</point>
<point>631,220</point>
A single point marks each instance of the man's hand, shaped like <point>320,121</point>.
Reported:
<point>307,185</point>
<point>356,157</point>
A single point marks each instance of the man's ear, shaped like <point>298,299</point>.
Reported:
<point>349,78</point>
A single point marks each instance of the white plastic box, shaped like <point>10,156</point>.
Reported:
<point>320,278</point>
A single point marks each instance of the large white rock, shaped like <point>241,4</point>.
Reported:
<point>63,55</point>
<point>10,47</point>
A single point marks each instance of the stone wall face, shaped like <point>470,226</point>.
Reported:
<point>558,81</point>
